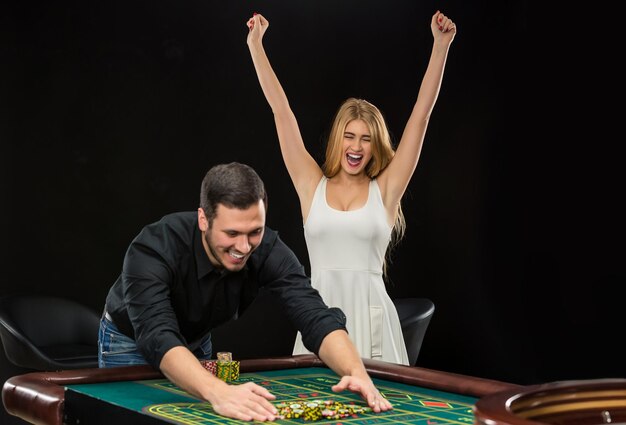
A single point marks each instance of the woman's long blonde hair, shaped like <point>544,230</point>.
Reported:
<point>382,152</point>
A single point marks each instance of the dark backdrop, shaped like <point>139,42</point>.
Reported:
<point>113,111</point>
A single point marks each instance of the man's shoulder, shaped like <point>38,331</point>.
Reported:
<point>270,235</point>
<point>183,224</point>
<point>182,219</point>
<point>268,242</point>
<point>272,246</point>
<point>273,259</point>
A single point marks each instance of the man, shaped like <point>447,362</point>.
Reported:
<point>189,272</point>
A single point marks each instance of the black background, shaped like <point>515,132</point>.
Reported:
<point>113,111</point>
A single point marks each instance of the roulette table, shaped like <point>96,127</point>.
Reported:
<point>141,395</point>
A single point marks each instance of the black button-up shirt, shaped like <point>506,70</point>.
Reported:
<point>169,294</point>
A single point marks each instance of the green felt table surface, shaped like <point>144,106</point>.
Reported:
<point>159,398</point>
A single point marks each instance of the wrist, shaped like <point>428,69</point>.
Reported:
<point>255,45</point>
<point>440,48</point>
<point>213,388</point>
<point>360,373</point>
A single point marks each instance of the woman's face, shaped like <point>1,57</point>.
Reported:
<point>357,149</point>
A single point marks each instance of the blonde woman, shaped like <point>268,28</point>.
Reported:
<point>350,205</point>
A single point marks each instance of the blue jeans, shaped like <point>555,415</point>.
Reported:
<point>116,349</point>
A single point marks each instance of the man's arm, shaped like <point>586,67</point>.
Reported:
<point>245,402</point>
<point>339,353</point>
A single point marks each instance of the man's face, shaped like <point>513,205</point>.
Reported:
<point>233,236</point>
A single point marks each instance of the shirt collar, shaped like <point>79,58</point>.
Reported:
<point>204,265</point>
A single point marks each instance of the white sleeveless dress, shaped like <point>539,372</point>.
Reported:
<point>346,251</point>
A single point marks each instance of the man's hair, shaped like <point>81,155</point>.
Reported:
<point>233,185</point>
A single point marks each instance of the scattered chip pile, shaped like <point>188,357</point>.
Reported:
<point>315,410</point>
<point>224,367</point>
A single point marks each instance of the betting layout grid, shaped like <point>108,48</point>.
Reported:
<point>412,405</point>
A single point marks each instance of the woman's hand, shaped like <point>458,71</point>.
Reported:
<point>257,25</point>
<point>443,28</point>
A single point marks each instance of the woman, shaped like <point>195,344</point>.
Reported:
<point>351,205</point>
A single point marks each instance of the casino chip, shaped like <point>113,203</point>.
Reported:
<point>224,356</point>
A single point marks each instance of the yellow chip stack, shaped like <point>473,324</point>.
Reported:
<point>227,369</point>
<point>234,370</point>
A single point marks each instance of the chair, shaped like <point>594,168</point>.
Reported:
<point>415,315</point>
<point>48,333</point>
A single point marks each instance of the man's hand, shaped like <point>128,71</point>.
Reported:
<point>338,352</point>
<point>247,402</point>
<point>367,390</point>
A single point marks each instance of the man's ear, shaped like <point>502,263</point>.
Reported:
<point>203,223</point>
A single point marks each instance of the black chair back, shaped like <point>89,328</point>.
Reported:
<point>48,333</point>
<point>414,315</point>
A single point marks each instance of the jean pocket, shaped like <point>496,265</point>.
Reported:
<point>205,350</point>
<point>114,342</point>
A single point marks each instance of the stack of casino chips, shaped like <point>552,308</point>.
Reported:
<point>227,369</point>
<point>224,367</point>
<point>210,365</point>
<point>315,410</point>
